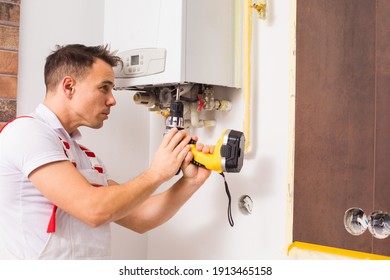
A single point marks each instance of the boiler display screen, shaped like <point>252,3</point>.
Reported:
<point>134,59</point>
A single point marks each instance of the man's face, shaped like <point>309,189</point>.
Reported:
<point>93,98</point>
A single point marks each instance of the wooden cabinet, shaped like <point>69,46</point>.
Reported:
<point>342,120</point>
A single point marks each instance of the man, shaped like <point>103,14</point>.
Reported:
<point>56,199</point>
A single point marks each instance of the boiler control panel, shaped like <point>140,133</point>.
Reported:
<point>141,62</point>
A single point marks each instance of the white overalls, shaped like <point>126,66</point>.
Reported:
<point>71,238</point>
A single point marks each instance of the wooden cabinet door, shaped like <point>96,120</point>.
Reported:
<point>342,120</point>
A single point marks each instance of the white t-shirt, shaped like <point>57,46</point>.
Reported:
<point>26,144</point>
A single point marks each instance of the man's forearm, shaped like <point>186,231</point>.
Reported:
<point>159,208</point>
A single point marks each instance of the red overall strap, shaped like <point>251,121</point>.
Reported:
<point>13,120</point>
<point>51,227</point>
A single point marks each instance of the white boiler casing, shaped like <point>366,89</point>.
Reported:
<point>165,42</point>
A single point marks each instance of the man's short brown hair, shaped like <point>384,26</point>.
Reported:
<point>74,60</point>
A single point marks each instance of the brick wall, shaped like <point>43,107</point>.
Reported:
<point>9,41</point>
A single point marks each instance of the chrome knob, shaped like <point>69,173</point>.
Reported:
<point>379,224</point>
<point>355,221</point>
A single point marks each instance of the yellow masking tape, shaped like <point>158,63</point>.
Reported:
<point>336,251</point>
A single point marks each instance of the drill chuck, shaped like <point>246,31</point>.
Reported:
<point>175,119</point>
<point>228,153</point>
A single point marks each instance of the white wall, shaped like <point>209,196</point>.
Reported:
<point>46,23</point>
<point>201,229</point>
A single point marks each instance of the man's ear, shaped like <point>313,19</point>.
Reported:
<point>68,84</point>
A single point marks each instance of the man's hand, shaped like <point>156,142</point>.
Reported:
<point>198,175</point>
<point>170,154</point>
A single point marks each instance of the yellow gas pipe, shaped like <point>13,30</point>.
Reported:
<point>261,8</point>
<point>247,41</point>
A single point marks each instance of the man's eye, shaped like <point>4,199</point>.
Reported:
<point>105,89</point>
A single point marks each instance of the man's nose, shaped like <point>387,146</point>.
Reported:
<point>111,101</point>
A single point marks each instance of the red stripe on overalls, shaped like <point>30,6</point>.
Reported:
<point>92,158</point>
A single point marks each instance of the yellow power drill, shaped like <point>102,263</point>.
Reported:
<point>228,155</point>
